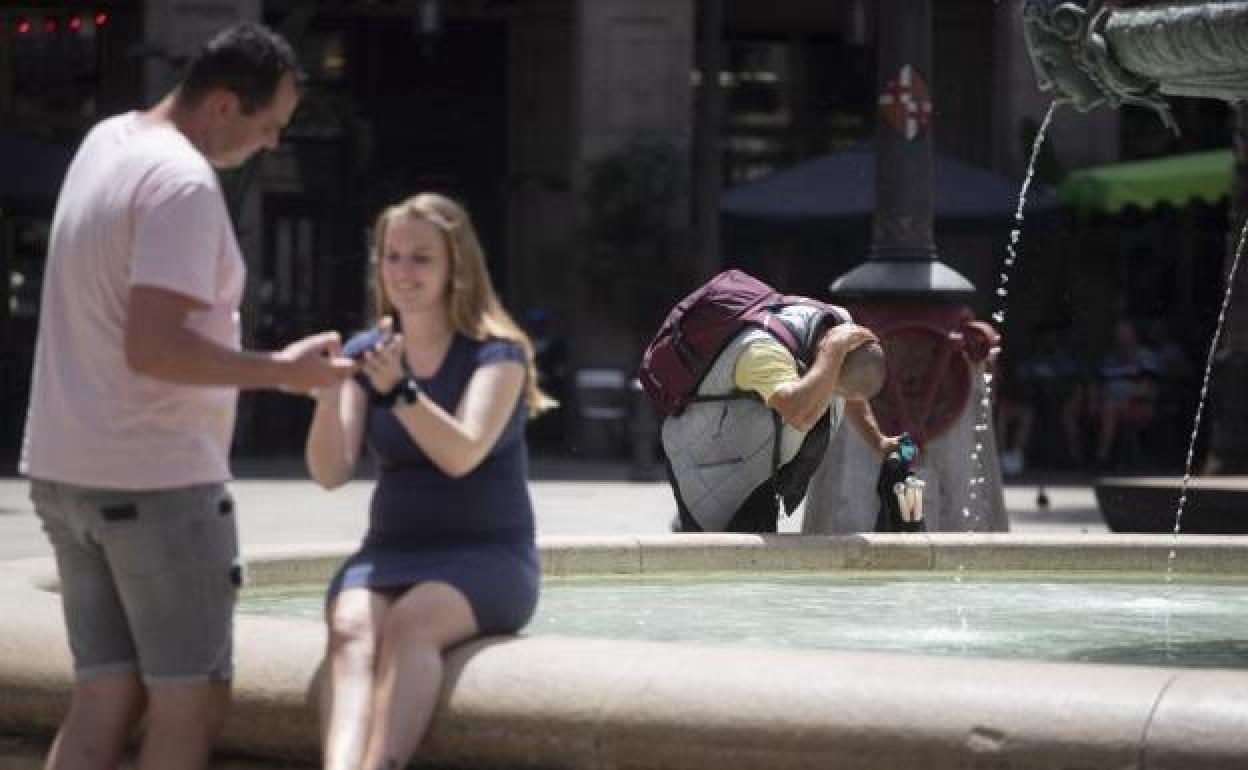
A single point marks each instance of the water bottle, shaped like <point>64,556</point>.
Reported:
<point>899,490</point>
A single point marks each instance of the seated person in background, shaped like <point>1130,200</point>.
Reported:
<point>1178,385</point>
<point>721,455</point>
<point>1127,379</point>
<point>1055,388</point>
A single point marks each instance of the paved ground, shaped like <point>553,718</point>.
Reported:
<point>278,505</point>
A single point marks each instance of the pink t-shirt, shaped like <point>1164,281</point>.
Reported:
<point>139,206</point>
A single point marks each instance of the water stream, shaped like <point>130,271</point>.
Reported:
<point>1204,395</point>
<point>984,421</point>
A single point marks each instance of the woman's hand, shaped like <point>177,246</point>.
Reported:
<point>384,364</point>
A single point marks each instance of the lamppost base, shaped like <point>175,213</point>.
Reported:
<point>927,279</point>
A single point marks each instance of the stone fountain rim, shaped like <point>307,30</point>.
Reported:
<point>584,703</point>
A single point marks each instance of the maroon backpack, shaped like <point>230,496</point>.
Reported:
<point>702,324</point>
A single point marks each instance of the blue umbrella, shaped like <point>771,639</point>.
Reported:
<point>842,185</point>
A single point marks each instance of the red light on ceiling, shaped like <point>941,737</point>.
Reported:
<point>49,24</point>
<point>101,18</point>
<point>75,23</point>
<point>23,26</point>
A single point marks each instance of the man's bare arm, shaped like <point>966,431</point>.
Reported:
<point>802,403</point>
<point>158,344</point>
<point>862,418</point>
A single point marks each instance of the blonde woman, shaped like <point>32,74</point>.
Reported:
<point>449,554</point>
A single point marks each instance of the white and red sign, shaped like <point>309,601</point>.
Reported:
<point>905,104</point>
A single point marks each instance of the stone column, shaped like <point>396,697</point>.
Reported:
<point>915,304</point>
<point>633,58</point>
<point>708,149</point>
<point>541,52</point>
<point>633,61</point>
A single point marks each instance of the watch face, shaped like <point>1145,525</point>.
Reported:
<point>409,390</point>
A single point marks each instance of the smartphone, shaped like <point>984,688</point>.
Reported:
<point>362,343</point>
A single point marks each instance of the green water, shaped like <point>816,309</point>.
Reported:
<point>1190,622</point>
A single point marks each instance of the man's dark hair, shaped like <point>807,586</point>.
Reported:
<point>246,59</point>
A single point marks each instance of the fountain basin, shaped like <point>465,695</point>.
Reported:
<point>558,702</point>
<point>1215,504</point>
<point>1086,617</point>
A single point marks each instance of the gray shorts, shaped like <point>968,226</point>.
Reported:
<point>149,579</point>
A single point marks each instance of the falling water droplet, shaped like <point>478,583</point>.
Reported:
<point>1204,395</point>
<point>998,315</point>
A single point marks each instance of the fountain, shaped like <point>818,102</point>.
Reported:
<point>1092,54</point>
<point>557,702</point>
<point>562,702</point>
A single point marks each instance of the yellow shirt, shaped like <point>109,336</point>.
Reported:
<point>764,366</point>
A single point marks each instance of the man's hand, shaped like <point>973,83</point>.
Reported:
<point>842,338</point>
<point>313,363</point>
<point>830,353</point>
<point>888,444</point>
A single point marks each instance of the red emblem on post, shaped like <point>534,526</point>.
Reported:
<point>905,103</point>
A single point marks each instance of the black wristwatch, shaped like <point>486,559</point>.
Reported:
<point>404,392</point>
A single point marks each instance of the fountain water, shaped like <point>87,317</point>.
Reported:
<point>1204,391</point>
<point>1091,54</point>
<point>984,421</point>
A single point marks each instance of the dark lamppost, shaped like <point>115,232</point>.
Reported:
<point>916,304</point>
<point>903,291</point>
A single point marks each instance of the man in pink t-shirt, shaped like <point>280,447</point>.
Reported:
<point>137,369</point>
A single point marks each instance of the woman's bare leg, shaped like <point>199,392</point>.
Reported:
<point>420,625</point>
<point>355,621</point>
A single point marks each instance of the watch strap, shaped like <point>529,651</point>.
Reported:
<point>405,392</point>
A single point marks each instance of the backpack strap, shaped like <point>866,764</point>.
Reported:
<point>778,433</point>
<point>804,340</point>
<point>770,321</point>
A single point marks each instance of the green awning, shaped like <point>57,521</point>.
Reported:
<point>1176,180</point>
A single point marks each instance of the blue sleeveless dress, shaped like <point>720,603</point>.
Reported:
<point>476,532</point>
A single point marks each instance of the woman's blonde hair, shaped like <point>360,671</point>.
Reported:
<point>473,305</point>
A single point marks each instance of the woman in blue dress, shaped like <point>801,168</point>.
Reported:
<point>449,554</point>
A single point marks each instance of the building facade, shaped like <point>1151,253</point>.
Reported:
<point>546,117</point>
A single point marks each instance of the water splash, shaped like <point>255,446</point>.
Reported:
<point>984,422</point>
<point>1204,395</point>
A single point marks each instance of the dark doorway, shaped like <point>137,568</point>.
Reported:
<point>387,113</point>
<point>437,114</point>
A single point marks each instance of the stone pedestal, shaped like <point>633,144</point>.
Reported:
<point>842,497</point>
